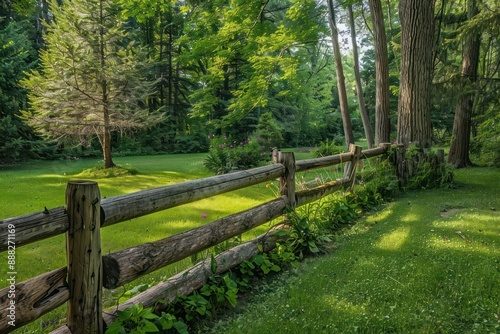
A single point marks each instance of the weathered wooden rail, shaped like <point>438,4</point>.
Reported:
<point>80,283</point>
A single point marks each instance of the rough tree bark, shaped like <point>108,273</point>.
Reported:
<point>106,135</point>
<point>344,107</point>
<point>417,42</point>
<point>359,89</point>
<point>382,123</point>
<point>460,142</point>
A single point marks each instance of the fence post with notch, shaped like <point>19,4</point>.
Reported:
<point>84,261</point>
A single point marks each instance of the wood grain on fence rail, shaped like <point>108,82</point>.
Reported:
<point>129,264</point>
<point>311,195</point>
<point>33,298</point>
<point>35,226</point>
<point>120,208</point>
<point>193,278</point>
<point>303,165</point>
<point>41,225</point>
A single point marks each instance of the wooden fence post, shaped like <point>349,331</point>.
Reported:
<point>83,242</point>
<point>287,181</point>
<point>351,166</point>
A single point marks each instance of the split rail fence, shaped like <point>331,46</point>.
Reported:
<point>81,282</point>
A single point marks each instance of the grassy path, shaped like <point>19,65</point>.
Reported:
<point>426,263</point>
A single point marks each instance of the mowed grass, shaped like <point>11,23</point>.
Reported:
<point>428,262</point>
<point>33,186</point>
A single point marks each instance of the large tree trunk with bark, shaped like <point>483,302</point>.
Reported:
<point>382,123</point>
<point>344,107</point>
<point>359,89</point>
<point>460,142</point>
<point>417,44</point>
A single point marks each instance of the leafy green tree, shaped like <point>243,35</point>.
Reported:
<point>159,26</point>
<point>91,81</point>
<point>485,128</point>
<point>247,50</point>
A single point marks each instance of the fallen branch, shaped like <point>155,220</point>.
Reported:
<point>462,236</point>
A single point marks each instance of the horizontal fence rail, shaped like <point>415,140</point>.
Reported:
<point>87,271</point>
<point>42,225</point>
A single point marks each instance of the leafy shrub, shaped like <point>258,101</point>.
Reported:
<point>485,146</point>
<point>327,148</point>
<point>137,319</point>
<point>225,154</point>
<point>427,176</point>
<point>306,234</point>
<point>426,172</point>
<point>220,289</point>
<point>190,144</point>
<point>379,178</point>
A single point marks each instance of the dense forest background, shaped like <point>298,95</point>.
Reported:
<point>181,72</point>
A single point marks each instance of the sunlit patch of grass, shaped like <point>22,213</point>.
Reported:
<point>409,217</point>
<point>395,239</point>
<point>381,215</point>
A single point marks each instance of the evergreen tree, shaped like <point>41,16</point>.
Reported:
<point>269,133</point>
<point>92,79</point>
<point>17,55</point>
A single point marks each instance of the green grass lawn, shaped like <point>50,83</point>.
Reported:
<point>428,262</point>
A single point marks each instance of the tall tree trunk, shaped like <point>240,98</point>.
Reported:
<point>344,107</point>
<point>460,142</point>
<point>359,89</point>
<point>382,122</point>
<point>106,136</point>
<point>417,42</point>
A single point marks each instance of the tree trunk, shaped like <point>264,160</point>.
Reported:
<point>106,149</point>
<point>361,100</point>
<point>382,123</point>
<point>417,42</point>
<point>106,135</point>
<point>460,142</point>
<point>344,107</point>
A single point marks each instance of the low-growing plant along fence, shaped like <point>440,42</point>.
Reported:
<point>88,271</point>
